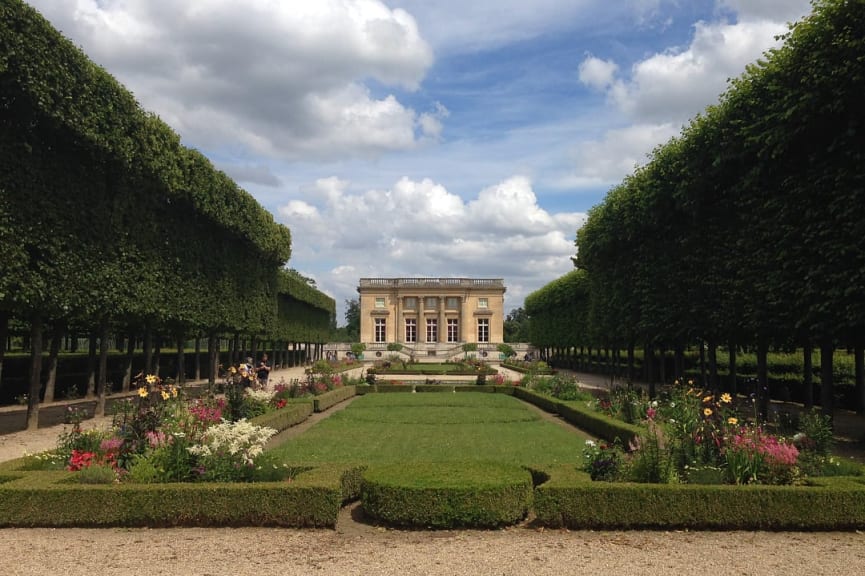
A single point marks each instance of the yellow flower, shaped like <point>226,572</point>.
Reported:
<point>732,421</point>
<point>142,392</point>
<point>707,399</point>
<point>707,412</point>
<point>726,398</point>
<point>174,391</point>
<point>165,395</point>
<point>690,382</point>
<point>151,378</point>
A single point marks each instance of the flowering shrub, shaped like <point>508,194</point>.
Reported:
<point>159,437</point>
<point>692,435</point>
<point>602,460</point>
<point>756,457</point>
<point>227,451</point>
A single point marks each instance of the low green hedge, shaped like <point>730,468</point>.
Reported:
<point>570,499</point>
<point>583,417</point>
<point>47,499</point>
<point>286,417</point>
<point>393,388</point>
<point>597,424</point>
<point>450,495</point>
<point>324,401</point>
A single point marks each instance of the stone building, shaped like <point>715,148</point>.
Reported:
<point>431,316</point>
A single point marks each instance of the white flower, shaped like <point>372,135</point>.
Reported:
<point>590,443</point>
<point>654,404</point>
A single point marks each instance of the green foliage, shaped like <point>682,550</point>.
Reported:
<point>457,495</point>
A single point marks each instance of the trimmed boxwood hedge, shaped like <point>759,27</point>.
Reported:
<point>576,413</point>
<point>291,415</point>
<point>570,499</point>
<point>447,495</point>
<point>46,498</point>
<point>324,401</point>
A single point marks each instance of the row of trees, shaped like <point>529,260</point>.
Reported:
<point>108,224</point>
<point>746,229</point>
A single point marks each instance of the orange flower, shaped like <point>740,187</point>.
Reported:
<point>732,421</point>
<point>707,399</point>
<point>707,412</point>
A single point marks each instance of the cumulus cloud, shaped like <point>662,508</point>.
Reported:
<point>418,228</point>
<point>284,79</point>
<point>597,73</point>
<point>658,94</point>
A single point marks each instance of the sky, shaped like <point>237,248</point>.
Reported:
<point>420,138</point>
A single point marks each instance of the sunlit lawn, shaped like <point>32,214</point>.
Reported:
<point>435,427</point>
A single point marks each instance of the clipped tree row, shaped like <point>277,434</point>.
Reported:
<point>748,229</point>
<point>108,224</point>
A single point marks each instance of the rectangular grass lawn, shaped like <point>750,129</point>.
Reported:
<point>435,427</point>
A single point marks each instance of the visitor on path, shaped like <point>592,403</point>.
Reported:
<point>263,371</point>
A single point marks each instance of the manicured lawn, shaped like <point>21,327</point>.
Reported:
<point>435,427</point>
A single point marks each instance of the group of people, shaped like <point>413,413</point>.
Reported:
<point>261,371</point>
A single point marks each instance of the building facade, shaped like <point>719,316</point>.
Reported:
<point>431,313</point>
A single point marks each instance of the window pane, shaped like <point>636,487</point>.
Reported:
<point>483,330</point>
<point>411,303</point>
<point>431,303</point>
<point>453,330</point>
<point>432,330</point>
<point>453,303</point>
<point>380,330</point>
<point>411,330</point>
<point>483,303</point>
<point>379,302</point>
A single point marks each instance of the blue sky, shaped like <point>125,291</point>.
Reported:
<point>419,138</point>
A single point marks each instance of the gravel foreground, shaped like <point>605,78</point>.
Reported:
<point>263,551</point>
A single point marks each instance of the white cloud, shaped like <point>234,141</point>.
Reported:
<point>774,10</point>
<point>659,94</point>
<point>618,153</point>
<point>284,79</point>
<point>418,228</point>
<point>597,73</point>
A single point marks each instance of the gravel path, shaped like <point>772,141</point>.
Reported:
<point>359,548</point>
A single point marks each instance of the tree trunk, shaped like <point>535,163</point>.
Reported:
<point>649,355</point>
<point>679,362</point>
<point>662,365</point>
<point>732,383</point>
<point>91,365</point>
<point>713,366</point>
<point>4,335</point>
<point>35,373</point>
<point>859,360</point>
<point>703,371</point>
<point>127,369</point>
<point>53,357</point>
<point>102,382</point>
<point>827,385</point>
<point>157,353</point>
<point>147,350</point>
<point>808,375</point>
<point>181,360</point>
<point>212,359</point>
<point>762,389</point>
<point>197,357</point>
<point>631,368</point>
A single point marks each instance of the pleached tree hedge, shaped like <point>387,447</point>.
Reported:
<point>748,229</point>
<point>108,224</point>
